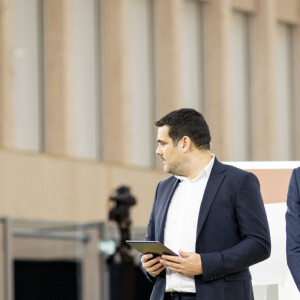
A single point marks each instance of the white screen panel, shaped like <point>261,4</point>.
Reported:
<point>28,75</point>
<point>87,78</point>
<point>240,78</point>
<point>285,95</point>
<point>142,94</point>
<point>192,55</point>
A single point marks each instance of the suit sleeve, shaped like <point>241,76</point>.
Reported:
<point>255,243</point>
<point>293,227</point>
<point>150,236</point>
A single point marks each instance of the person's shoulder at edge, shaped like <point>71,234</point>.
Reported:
<point>297,170</point>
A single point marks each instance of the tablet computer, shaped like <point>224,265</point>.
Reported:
<point>154,247</point>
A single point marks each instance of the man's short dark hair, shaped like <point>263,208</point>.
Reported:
<point>187,122</point>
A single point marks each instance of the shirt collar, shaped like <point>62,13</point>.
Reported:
<point>204,172</point>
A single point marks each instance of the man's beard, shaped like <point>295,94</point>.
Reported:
<point>172,168</point>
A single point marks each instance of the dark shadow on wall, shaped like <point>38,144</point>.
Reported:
<point>47,280</point>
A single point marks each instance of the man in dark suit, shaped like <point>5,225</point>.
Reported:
<point>211,214</point>
<point>293,226</point>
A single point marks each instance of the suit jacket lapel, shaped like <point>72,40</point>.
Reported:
<point>165,207</point>
<point>215,179</point>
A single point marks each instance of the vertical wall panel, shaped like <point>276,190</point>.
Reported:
<point>115,16</point>
<point>296,112</point>
<point>142,84</point>
<point>6,73</point>
<point>28,75</point>
<point>217,32</point>
<point>59,100</point>
<point>285,92</point>
<point>263,85</point>
<point>86,85</point>
<point>168,55</point>
<point>192,68</point>
<point>240,75</point>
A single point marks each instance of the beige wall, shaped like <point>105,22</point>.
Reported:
<point>274,184</point>
<point>115,77</point>
<point>47,187</point>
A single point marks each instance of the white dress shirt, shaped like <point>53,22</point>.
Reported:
<point>181,224</point>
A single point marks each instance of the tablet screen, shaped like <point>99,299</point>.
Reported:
<point>155,247</point>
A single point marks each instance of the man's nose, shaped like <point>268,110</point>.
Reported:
<point>158,151</point>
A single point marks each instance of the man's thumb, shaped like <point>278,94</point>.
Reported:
<point>183,254</point>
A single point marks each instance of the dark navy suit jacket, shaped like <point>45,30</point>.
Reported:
<point>232,233</point>
<point>293,226</point>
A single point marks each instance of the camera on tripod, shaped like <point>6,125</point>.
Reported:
<point>124,200</point>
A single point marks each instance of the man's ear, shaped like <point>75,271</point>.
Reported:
<point>186,143</point>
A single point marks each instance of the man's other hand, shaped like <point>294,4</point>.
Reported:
<point>188,263</point>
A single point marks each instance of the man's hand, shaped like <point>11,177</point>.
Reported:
<point>188,263</point>
<point>152,265</point>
